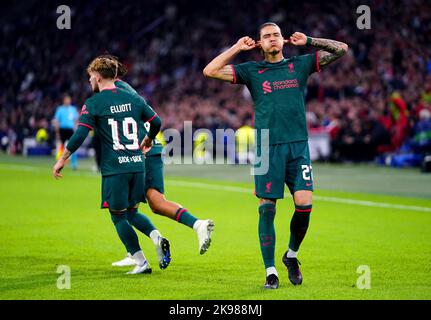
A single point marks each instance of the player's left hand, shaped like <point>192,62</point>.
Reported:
<point>146,144</point>
<point>298,39</point>
<point>57,168</point>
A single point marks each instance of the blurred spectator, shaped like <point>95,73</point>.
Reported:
<point>421,140</point>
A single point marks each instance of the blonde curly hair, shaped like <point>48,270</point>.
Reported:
<point>107,66</point>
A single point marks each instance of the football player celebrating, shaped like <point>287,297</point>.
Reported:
<point>277,86</point>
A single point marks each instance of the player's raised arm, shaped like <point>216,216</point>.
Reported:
<point>219,67</point>
<point>332,50</point>
<point>74,143</point>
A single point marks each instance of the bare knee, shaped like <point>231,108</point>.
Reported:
<point>155,200</point>
<point>264,201</point>
<point>154,207</point>
<point>303,198</point>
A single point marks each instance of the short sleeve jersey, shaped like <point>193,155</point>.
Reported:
<point>278,92</point>
<point>157,146</point>
<point>118,117</point>
<point>66,116</point>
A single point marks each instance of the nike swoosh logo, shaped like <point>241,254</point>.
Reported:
<point>265,244</point>
<point>261,71</point>
<point>308,184</point>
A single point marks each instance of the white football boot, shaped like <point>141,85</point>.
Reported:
<point>126,262</point>
<point>203,229</point>
<point>145,268</point>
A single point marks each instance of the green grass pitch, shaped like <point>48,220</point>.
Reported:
<point>362,215</point>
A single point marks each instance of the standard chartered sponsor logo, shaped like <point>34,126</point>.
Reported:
<point>285,84</point>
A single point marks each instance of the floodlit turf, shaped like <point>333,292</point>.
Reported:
<point>47,223</point>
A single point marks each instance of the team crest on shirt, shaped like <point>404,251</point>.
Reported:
<point>268,87</point>
<point>291,68</point>
<point>268,187</point>
<point>84,110</point>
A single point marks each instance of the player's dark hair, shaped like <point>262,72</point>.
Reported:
<point>108,66</point>
<point>269,23</point>
<point>122,69</point>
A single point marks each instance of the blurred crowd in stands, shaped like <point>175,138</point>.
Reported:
<point>376,99</point>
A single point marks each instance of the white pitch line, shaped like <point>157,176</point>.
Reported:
<point>321,198</point>
<point>218,187</point>
<point>16,167</point>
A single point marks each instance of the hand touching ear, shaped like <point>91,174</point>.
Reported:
<point>246,43</point>
<point>298,39</point>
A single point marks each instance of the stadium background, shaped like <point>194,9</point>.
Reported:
<point>374,106</point>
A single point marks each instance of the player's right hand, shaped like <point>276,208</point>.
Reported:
<point>246,43</point>
<point>57,168</point>
<point>146,144</point>
<point>298,39</point>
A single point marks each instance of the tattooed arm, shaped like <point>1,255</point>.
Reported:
<point>59,165</point>
<point>66,154</point>
<point>332,50</point>
<point>219,67</point>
